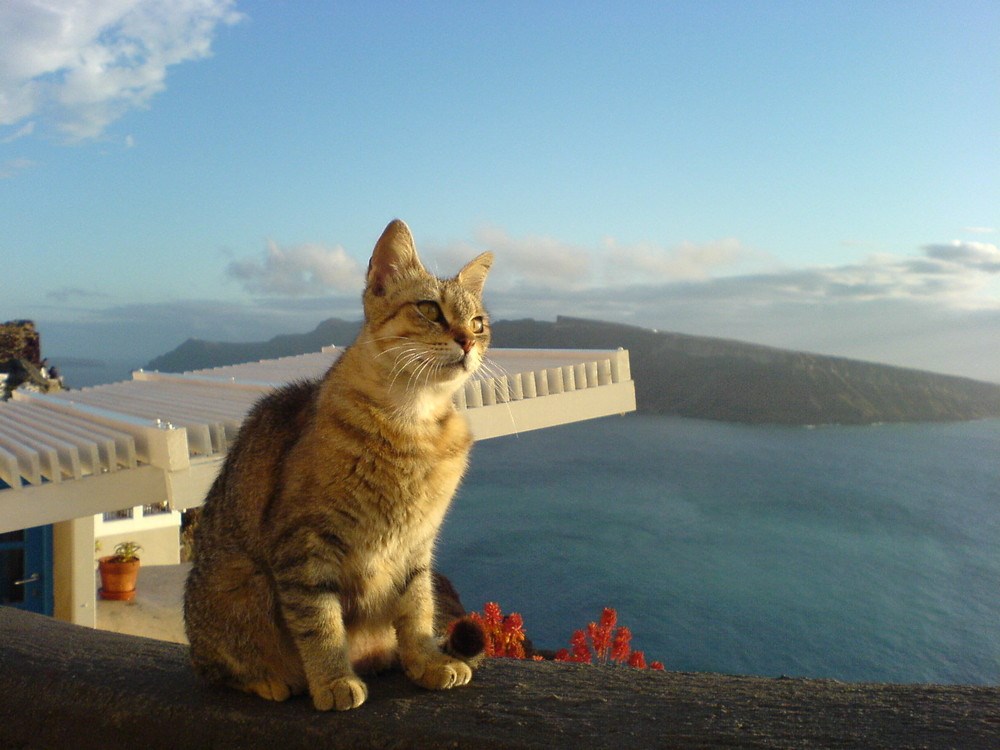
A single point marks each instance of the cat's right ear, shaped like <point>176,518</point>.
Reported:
<point>394,252</point>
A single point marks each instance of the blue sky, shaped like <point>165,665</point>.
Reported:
<point>816,175</point>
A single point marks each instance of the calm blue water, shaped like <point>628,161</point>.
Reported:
<point>83,373</point>
<point>856,553</point>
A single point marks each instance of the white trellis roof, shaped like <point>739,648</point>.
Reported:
<point>162,436</point>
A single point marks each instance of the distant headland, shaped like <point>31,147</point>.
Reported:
<point>690,376</point>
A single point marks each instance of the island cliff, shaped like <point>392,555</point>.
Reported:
<point>692,376</point>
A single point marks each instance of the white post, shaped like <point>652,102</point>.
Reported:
<point>73,583</point>
<point>473,394</point>
<point>516,387</point>
<point>604,372</point>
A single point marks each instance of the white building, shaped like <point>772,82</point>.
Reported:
<point>122,461</point>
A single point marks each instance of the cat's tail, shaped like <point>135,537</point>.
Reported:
<point>466,640</point>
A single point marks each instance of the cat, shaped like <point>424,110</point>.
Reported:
<point>313,551</point>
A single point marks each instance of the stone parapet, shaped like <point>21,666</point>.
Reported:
<point>65,686</point>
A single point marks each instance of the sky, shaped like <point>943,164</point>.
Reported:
<point>822,176</point>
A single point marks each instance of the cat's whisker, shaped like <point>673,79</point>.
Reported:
<point>399,365</point>
<point>396,348</point>
<point>421,364</point>
<point>401,361</point>
<point>404,352</point>
<point>379,339</point>
<point>434,369</point>
<point>414,355</point>
<point>426,368</point>
<point>493,369</point>
<point>489,369</point>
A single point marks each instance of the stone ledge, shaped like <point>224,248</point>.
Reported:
<point>66,686</point>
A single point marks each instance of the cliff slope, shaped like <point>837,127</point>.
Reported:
<point>692,376</point>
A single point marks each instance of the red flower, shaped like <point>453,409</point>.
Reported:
<point>513,623</point>
<point>581,651</point>
<point>608,618</point>
<point>512,635</point>
<point>601,641</point>
<point>504,635</point>
<point>637,659</point>
<point>621,646</point>
<point>492,614</point>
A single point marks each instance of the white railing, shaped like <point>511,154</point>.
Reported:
<point>167,419</point>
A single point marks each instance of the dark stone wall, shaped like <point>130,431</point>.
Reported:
<point>63,686</point>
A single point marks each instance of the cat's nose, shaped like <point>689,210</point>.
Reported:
<point>465,342</point>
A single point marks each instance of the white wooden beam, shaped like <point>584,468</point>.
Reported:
<point>50,502</point>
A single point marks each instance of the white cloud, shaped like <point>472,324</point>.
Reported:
<point>979,256</point>
<point>936,308</point>
<point>299,270</point>
<point>688,261</point>
<point>69,293</point>
<point>23,132</point>
<point>545,273</point>
<point>541,261</point>
<point>956,275</point>
<point>80,65</point>
<point>12,167</point>
<point>536,261</point>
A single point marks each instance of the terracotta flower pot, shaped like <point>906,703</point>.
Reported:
<point>117,578</point>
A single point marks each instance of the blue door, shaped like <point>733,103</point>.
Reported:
<point>26,569</point>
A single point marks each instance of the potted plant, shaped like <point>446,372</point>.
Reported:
<point>119,572</point>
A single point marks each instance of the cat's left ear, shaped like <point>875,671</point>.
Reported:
<point>394,253</point>
<point>473,274</point>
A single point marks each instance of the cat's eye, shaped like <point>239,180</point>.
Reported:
<point>431,310</point>
<point>477,325</point>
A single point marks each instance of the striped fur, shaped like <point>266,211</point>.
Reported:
<point>313,552</point>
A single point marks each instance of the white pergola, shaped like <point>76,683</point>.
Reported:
<point>161,437</point>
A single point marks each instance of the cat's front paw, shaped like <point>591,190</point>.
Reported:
<point>439,672</point>
<point>272,690</point>
<point>343,694</point>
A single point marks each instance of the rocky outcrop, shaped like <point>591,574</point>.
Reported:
<point>21,363</point>
<point>19,340</point>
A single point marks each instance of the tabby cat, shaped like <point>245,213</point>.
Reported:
<point>313,552</point>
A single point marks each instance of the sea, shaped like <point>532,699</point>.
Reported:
<point>81,372</point>
<point>851,553</point>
